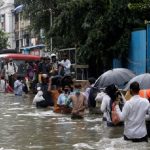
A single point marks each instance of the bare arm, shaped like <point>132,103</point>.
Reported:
<point>123,115</point>
<point>49,85</point>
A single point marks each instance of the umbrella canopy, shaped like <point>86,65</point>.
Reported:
<point>117,76</point>
<point>142,79</point>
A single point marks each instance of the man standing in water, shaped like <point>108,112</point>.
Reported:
<point>79,103</point>
<point>10,69</point>
<point>133,115</point>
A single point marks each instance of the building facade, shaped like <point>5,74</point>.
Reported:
<point>16,26</point>
<point>22,35</point>
<point>7,20</point>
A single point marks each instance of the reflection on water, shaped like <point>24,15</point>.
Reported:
<point>24,127</point>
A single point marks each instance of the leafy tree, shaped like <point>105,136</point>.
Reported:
<point>99,29</point>
<point>141,8</point>
<point>3,40</point>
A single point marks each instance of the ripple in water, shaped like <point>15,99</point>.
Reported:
<point>112,144</point>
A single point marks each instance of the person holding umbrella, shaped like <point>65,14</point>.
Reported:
<point>133,115</point>
<point>108,98</point>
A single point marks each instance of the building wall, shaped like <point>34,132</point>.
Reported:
<point>7,21</point>
<point>137,54</point>
<point>148,49</point>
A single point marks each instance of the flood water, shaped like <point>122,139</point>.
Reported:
<point>23,127</point>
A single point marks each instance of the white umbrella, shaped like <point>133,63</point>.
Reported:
<point>142,79</point>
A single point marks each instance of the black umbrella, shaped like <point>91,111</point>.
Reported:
<point>142,79</point>
<point>117,76</point>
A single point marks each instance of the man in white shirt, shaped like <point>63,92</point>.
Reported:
<point>66,64</point>
<point>133,115</point>
<point>10,69</point>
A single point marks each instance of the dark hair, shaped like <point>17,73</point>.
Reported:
<point>111,90</point>
<point>135,87</point>
<point>48,58</point>
<point>56,81</point>
<point>18,78</point>
<point>67,80</point>
<point>117,94</point>
<point>2,77</point>
<point>77,86</point>
<point>63,88</point>
<point>91,80</point>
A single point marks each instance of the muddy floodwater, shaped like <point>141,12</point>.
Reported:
<point>23,127</point>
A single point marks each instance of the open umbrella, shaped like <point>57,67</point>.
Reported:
<point>117,76</point>
<point>142,79</point>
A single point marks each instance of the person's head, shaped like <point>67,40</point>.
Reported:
<point>67,80</point>
<point>2,77</point>
<point>66,89</point>
<point>39,88</point>
<point>111,90</point>
<point>10,61</point>
<point>48,60</point>
<point>43,60</point>
<point>6,61</point>
<point>18,78</point>
<point>91,80</point>
<point>134,88</point>
<point>65,57</point>
<point>77,88</point>
<point>53,57</point>
<point>56,81</point>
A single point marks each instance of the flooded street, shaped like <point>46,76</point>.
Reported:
<point>23,127</point>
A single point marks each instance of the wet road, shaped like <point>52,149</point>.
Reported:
<point>23,127</point>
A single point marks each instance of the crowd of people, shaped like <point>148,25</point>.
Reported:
<point>51,82</point>
<point>33,71</point>
<point>132,113</point>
